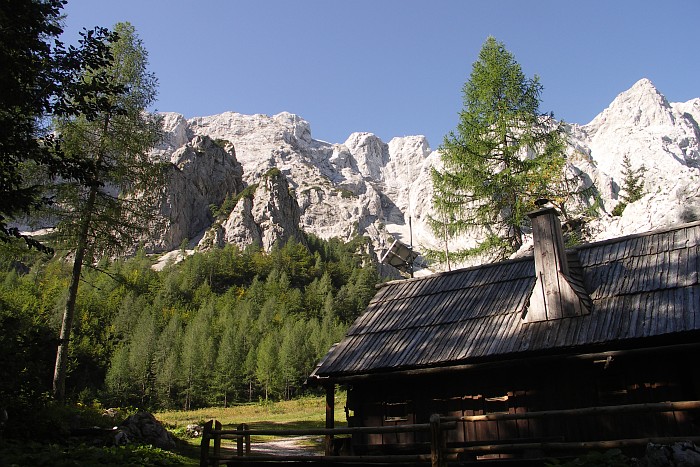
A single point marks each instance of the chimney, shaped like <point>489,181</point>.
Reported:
<point>553,296</point>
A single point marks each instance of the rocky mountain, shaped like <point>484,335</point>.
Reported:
<point>256,178</point>
<point>642,125</point>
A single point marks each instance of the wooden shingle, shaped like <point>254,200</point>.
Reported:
<point>638,287</point>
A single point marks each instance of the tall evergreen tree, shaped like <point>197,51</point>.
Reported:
<point>503,156</point>
<point>267,368</point>
<point>166,361</point>
<point>141,353</point>
<point>98,216</point>
<point>197,358</point>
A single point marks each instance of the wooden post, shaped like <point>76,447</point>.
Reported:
<point>437,448</point>
<point>204,446</point>
<point>330,417</point>
<point>239,441</point>
<point>247,439</point>
<point>217,440</point>
<point>242,441</point>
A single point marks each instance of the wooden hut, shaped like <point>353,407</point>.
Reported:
<point>562,349</point>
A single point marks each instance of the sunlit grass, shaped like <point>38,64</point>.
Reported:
<point>304,413</point>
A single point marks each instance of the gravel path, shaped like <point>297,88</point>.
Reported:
<point>287,446</point>
<point>297,445</point>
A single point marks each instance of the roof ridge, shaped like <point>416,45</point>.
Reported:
<point>528,255</point>
<point>610,241</point>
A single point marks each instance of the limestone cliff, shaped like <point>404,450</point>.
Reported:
<point>201,174</point>
<point>369,187</point>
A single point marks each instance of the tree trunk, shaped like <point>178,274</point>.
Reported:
<point>59,375</point>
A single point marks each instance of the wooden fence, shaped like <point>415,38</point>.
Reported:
<point>440,454</point>
<point>213,432</point>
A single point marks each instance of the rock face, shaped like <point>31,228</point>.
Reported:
<point>681,454</point>
<point>376,189</point>
<point>202,173</point>
<point>269,213</point>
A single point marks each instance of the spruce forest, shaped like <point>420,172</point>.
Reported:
<point>221,327</point>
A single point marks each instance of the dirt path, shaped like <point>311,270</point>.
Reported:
<point>298,445</point>
<point>289,446</point>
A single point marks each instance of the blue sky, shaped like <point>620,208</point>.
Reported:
<point>397,67</point>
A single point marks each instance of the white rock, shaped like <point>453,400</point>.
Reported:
<point>374,188</point>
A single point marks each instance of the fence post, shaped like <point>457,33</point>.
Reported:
<point>217,440</point>
<point>204,446</point>
<point>330,417</point>
<point>437,453</point>
<point>239,441</point>
<point>247,439</point>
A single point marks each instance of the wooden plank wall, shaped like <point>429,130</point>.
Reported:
<point>528,389</point>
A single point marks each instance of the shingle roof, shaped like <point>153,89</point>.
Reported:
<point>641,286</point>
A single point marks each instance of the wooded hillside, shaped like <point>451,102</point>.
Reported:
<point>220,327</point>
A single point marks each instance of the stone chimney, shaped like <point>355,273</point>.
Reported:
<point>555,295</point>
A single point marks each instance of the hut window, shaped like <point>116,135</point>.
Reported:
<point>496,404</point>
<point>395,411</point>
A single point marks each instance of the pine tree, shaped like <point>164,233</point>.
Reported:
<point>293,356</point>
<point>118,379</point>
<point>141,352</point>
<point>503,156</point>
<point>166,361</point>
<point>266,369</point>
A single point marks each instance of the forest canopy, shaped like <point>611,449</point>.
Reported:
<point>220,327</point>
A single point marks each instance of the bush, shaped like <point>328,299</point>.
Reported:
<point>619,208</point>
<point>37,454</point>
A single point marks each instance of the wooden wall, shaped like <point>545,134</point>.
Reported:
<point>529,387</point>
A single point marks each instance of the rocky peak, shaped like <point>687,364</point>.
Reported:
<point>175,133</point>
<point>266,213</point>
<point>642,125</point>
<point>689,109</point>
<point>640,106</point>
<point>370,154</point>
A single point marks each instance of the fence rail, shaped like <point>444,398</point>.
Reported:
<point>213,432</point>
<point>439,452</point>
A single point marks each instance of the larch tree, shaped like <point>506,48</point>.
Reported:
<point>107,211</point>
<point>502,157</point>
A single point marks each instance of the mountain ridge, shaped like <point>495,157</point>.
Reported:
<point>370,187</point>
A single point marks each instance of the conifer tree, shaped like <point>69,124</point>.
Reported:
<point>266,370</point>
<point>632,185</point>
<point>166,361</point>
<point>503,156</point>
<point>113,135</point>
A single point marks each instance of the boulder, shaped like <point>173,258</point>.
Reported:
<point>681,454</point>
<point>143,428</point>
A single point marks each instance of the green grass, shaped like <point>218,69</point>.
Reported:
<point>304,413</point>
